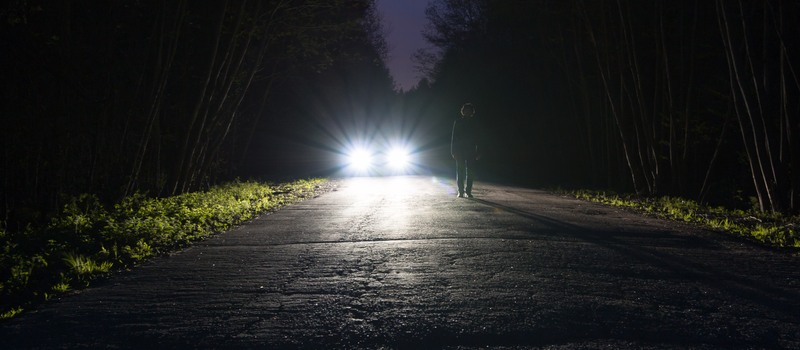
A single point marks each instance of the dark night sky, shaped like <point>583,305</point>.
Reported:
<point>403,21</point>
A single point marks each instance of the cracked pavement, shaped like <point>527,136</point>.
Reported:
<point>399,262</point>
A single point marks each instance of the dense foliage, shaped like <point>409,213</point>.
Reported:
<point>88,239</point>
<point>688,98</point>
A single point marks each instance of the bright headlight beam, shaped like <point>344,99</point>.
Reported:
<point>398,158</point>
<point>360,159</point>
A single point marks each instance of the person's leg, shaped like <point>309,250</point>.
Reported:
<point>461,174</point>
<point>470,174</point>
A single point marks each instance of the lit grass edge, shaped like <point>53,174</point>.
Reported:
<point>771,229</point>
<point>87,240</point>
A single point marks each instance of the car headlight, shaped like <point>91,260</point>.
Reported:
<point>398,158</point>
<point>360,159</point>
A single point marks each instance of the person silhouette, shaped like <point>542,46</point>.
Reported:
<point>465,149</point>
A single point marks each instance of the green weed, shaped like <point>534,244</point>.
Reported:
<point>11,313</point>
<point>83,266</point>
<point>61,288</point>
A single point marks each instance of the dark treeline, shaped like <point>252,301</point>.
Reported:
<point>695,98</point>
<point>164,97</point>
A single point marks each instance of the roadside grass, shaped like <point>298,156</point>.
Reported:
<point>88,240</point>
<point>771,229</point>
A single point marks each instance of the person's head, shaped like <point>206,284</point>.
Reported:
<point>467,110</point>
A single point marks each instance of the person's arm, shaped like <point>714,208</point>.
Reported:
<point>453,140</point>
<point>478,139</point>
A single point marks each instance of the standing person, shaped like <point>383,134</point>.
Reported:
<point>464,147</point>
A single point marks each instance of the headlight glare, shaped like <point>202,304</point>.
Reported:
<point>360,159</point>
<point>398,158</point>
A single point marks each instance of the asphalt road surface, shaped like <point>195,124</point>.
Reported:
<point>400,262</point>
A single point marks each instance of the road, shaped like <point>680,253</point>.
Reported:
<point>400,262</point>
